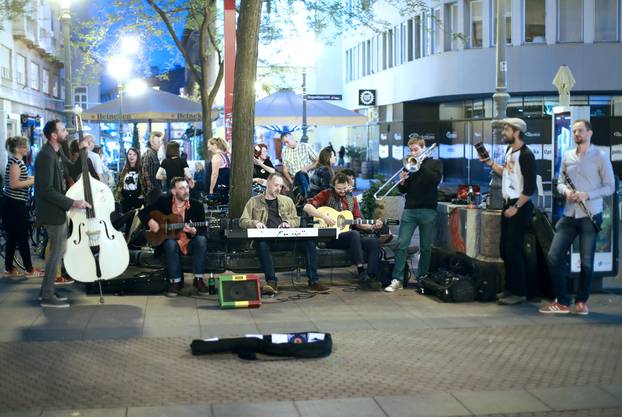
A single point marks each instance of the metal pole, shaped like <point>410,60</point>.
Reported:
<point>65,18</point>
<point>121,147</point>
<point>304,138</point>
<point>500,99</point>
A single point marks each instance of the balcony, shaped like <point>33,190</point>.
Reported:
<point>25,29</point>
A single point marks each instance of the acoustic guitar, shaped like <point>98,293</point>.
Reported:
<point>171,226</point>
<point>344,219</point>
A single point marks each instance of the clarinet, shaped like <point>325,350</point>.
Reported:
<point>581,203</point>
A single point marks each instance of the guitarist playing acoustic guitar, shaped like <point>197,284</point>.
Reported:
<point>188,242</point>
<point>339,199</point>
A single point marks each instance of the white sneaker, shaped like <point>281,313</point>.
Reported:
<point>394,286</point>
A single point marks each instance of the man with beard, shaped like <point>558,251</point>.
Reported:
<point>592,174</point>
<point>273,210</point>
<point>518,184</point>
<point>359,245</point>
<point>189,242</point>
<point>52,205</point>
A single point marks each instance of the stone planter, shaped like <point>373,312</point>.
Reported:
<point>390,207</point>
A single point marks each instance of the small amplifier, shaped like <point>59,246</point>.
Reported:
<point>239,291</point>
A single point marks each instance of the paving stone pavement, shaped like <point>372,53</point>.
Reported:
<point>130,357</point>
<point>161,371</point>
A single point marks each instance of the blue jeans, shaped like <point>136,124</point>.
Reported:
<point>359,245</point>
<point>172,257</point>
<point>425,219</point>
<point>566,230</point>
<point>264,247</point>
<point>301,179</point>
<point>57,239</point>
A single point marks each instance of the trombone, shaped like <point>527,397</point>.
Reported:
<point>411,164</point>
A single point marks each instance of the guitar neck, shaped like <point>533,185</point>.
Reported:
<point>174,226</point>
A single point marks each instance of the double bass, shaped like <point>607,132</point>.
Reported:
<point>95,250</point>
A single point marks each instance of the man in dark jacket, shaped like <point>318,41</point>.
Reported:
<point>189,241</point>
<point>52,206</point>
<point>421,190</point>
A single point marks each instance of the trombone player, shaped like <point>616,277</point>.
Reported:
<point>421,188</point>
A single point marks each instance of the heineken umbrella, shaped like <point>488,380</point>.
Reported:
<point>285,108</point>
<point>153,105</point>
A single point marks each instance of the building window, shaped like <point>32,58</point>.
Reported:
<point>427,34</point>
<point>437,28</point>
<point>5,63</point>
<point>45,81</point>
<point>380,52</point>
<point>451,27</point>
<point>570,20</point>
<point>409,41</point>
<point>535,18</point>
<point>475,24</point>
<point>80,97</point>
<point>55,85</point>
<point>20,69</point>
<point>403,43</point>
<point>417,37</point>
<point>390,48</point>
<point>34,76</point>
<point>383,50</point>
<point>606,20</point>
<point>508,22</point>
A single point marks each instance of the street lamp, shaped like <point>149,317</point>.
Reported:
<point>500,99</point>
<point>120,67</point>
<point>308,60</point>
<point>65,18</point>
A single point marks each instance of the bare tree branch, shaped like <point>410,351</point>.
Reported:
<point>197,75</point>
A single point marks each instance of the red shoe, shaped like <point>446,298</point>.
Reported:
<point>555,308</point>
<point>13,272</point>
<point>581,308</point>
<point>63,280</point>
<point>35,273</point>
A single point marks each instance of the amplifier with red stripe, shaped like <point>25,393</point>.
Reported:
<point>239,291</point>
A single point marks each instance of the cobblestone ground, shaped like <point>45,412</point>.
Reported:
<point>161,371</point>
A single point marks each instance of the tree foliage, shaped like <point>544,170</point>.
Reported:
<point>177,27</point>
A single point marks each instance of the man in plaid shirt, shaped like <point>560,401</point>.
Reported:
<point>298,160</point>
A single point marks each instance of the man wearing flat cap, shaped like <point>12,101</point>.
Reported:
<point>518,185</point>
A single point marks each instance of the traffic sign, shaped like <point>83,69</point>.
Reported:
<point>325,97</point>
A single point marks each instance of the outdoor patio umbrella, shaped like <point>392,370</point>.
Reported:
<point>153,105</point>
<point>285,108</point>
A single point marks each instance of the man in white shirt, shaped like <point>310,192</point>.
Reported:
<point>518,185</point>
<point>98,164</point>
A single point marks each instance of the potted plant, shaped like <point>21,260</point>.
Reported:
<point>389,207</point>
<point>356,155</point>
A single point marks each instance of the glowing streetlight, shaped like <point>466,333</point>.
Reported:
<point>119,67</point>
<point>136,87</point>
<point>130,45</point>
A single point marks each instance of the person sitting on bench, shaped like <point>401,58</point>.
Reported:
<point>273,210</point>
<point>190,242</point>
<point>340,199</point>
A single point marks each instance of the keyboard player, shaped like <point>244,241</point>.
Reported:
<point>273,210</point>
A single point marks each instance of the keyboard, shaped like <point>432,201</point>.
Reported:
<point>290,233</point>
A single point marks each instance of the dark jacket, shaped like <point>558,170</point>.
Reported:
<point>196,212</point>
<point>50,187</point>
<point>421,187</point>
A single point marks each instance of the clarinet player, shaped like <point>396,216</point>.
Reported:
<point>591,178</point>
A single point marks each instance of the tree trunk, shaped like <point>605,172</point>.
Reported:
<point>247,40</point>
<point>207,90</point>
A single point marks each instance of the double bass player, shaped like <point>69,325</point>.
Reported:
<point>52,206</point>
